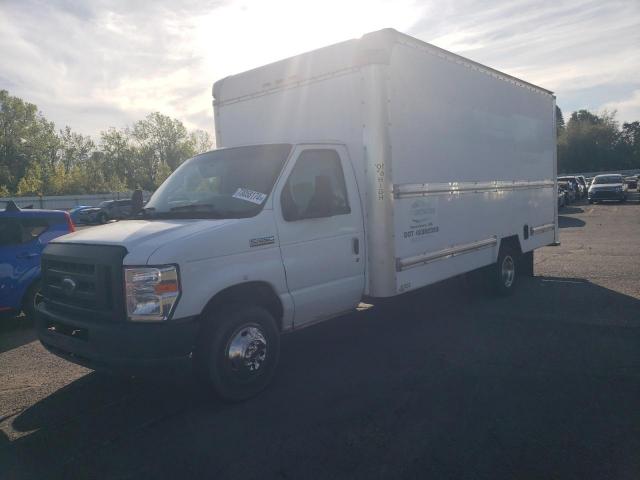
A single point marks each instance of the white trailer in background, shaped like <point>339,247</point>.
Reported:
<point>365,169</point>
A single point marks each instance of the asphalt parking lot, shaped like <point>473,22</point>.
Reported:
<point>442,383</point>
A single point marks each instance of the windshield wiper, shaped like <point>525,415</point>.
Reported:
<point>193,207</point>
<point>192,210</point>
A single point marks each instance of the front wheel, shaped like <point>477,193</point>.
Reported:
<point>505,272</point>
<point>238,351</point>
<point>31,300</point>
<point>102,218</point>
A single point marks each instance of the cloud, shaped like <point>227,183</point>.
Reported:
<point>627,109</point>
<point>105,63</point>
<point>570,47</point>
<point>98,64</point>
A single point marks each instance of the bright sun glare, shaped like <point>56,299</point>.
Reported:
<point>248,34</point>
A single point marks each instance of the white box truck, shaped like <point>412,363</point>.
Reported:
<point>369,168</point>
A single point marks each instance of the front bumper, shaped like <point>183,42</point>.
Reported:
<point>145,349</point>
<point>606,195</point>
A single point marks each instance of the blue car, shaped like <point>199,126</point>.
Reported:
<point>23,235</point>
<point>77,213</point>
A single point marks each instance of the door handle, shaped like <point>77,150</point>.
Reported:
<point>27,255</point>
<point>356,246</point>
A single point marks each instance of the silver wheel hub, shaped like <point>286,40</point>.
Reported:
<point>37,298</point>
<point>247,350</point>
<point>508,271</point>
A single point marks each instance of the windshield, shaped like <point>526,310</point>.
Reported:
<point>607,179</point>
<point>227,183</point>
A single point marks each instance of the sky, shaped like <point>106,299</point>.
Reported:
<point>94,64</point>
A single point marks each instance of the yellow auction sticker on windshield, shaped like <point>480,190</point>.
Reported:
<point>250,195</point>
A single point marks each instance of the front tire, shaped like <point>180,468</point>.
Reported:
<point>31,299</point>
<point>102,218</point>
<point>238,352</point>
<point>505,273</point>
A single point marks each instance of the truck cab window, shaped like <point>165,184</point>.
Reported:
<point>315,187</point>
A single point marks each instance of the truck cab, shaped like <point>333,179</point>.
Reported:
<point>275,227</point>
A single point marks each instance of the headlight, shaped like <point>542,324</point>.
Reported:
<point>151,292</point>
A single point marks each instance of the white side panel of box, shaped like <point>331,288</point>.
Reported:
<point>472,161</point>
<point>323,111</point>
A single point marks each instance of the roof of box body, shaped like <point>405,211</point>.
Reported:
<point>346,56</point>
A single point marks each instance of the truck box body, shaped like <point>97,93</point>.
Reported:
<point>451,157</point>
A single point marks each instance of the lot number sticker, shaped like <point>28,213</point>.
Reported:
<point>250,196</point>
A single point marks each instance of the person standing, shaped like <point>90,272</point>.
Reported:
<point>136,201</point>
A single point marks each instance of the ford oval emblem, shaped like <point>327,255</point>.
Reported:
<point>68,285</point>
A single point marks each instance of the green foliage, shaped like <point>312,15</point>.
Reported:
<point>592,142</point>
<point>35,160</point>
<point>559,121</point>
<point>26,139</point>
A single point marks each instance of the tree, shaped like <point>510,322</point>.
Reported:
<point>118,160</point>
<point>559,121</point>
<point>201,141</point>
<point>74,148</point>
<point>591,142</point>
<point>31,183</point>
<point>26,139</point>
<point>159,140</point>
<point>630,142</point>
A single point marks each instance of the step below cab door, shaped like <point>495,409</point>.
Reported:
<point>320,227</point>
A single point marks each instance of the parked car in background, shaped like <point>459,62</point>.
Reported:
<point>580,191</point>
<point>569,191</point>
<point>608,187</point>
<point>632,182</point>
<point>23,235</point>
<point>76,213</point>
<point>583,182</point>
<point>105,211</point>
<point>562,197</point>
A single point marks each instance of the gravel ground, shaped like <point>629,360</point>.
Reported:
<point>442,383</point>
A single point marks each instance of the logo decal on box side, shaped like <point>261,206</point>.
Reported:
<point>423,213</point>
<point>262,241</point>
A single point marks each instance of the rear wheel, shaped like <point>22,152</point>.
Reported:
<point>238,351</point>
<point>505,272</point>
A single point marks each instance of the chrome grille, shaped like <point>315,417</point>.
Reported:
<point>84,280</point>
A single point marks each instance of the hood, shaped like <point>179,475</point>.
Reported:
<point>142,238</point>
<point>607,186</point>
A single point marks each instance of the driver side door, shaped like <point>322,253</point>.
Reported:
<point>320,227</point>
